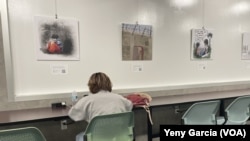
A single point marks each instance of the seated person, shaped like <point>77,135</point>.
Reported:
<point>101,101</point>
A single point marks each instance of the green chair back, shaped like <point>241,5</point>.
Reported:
<point>237,112</point>
<point>22,134</point>
<point>201,113</point>
<point>113,127</point>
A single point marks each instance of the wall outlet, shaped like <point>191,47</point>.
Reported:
<point>176,109</point>
<point>63,124</point>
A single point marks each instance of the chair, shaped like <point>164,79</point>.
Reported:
<point>113,127</point>
<point>201,113</point>
<point>22,134</point>
<point>237,112</point>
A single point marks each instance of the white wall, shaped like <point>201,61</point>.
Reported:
<point>100,43</point>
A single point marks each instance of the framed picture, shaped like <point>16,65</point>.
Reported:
<point>56,39</point>
<point>245,49</point>
<point>201,44</point>
<point>136,42</point>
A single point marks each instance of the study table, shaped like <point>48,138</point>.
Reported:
<point>30,115</point>
<point>47,113</point>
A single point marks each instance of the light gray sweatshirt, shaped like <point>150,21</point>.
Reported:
<point>100,103</point>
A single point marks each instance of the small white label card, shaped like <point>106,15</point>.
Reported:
<point>137,67</point>
<point>58,69</point>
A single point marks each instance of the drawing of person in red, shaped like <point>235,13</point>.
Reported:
<point>52,46</point>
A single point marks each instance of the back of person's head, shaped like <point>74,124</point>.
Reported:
<point>54,36</point>
<point>99,81</point>
<point>206,41</point>
<point>209,35</point>
<point>197,44</point>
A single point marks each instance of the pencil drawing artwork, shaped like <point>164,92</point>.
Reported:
<point>57,39</point>
<point>201,44</point>
<point>245,49</point>
<point>136,42</point>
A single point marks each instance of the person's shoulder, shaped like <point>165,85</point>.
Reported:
<point>117,95</point>
<point>86,98</point>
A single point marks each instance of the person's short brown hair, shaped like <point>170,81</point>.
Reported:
<point>99,81</point>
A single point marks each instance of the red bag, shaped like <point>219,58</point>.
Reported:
<point>137,99</point>
<point>141,100</point>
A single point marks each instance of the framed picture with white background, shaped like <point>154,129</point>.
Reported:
<point>201,44</point>
<point>56,39</point>
<point>245,48</point>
